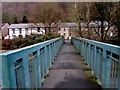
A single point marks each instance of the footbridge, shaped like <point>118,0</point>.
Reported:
<point>59,63</point>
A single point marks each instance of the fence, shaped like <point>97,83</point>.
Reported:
<point>102,58</point>
<point>27,67</point>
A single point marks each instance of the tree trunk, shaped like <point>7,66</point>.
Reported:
<point>102,30</point>
<point>80,32</point>
<point>119,32</point>
<point>45,30</point>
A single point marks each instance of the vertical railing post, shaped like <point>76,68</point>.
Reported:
<point>95,59</point>
<point>12,74</point>
<point>91,57</point>
<point>83,50</point>
<point>80,47</point>
<point>53,50</point>
<point>58,45</point>
<point>1,72</point>
<point>39,69</point>
<point>48,59</point>
<point>89,46</point>
<point>55,47</point>
<point>119,71</point>
<point>26,72</point>
<point>50,55</point>
<point>108,72</point>
<point>104,67</point>
<point>5,78</point>
<point>90,54</point>
<point>86,53</point>
<point>77,45</point>
<point>97,62</point>
<point>45,58</point>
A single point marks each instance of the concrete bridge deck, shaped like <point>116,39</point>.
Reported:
<point>69,71</point>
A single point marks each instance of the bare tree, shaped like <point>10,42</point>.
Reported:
<point>104,12</point>
<point>76,14</point>
<point>48,13</point>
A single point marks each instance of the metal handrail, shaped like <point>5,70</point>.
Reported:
<point>106,69</point>
<point>32,71</point>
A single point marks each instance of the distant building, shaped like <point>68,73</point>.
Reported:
<point>54,28</point>
<point>45,27</point>
<point>22,30</point>
<point>4,31</point>
<point>68,30</point>
<point>93,30</point>
<point>40,28</point>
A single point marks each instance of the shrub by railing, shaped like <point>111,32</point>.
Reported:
<point>102,58</point>
<point>11,44</point>
<point>27,67</point>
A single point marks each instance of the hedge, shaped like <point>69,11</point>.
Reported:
<point>10,44</point>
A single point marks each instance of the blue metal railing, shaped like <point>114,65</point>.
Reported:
<point>27,67</point>
<point>102,58</point>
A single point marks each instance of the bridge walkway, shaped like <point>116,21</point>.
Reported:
<point>69,70</point>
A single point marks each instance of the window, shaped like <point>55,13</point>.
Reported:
<point>70,34</point>
<point>64,34</point>
<point>14,36</point>
<point>20,36</point>
<point>38,29</point>
<point>59,29</point>
<point>13,31</point>
<point>26,30</point>
<point>20,29</point>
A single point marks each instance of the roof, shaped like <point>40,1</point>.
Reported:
<point>28,25</point>
<point>93,24</point>
<point>46,25</point>
<point>39,24</point>
<point>1,26</point>
<point>4,29</point>
<point>67,25</point>
<point>83,24</point>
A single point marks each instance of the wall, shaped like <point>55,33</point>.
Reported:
<point>24,32</point>
<point>67,31</point>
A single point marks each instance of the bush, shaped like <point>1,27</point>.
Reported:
<point>115,41</point>
<point>10,44</point>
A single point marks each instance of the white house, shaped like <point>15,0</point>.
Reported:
<point>41,28</point>
<point>68,30</point>
<point>4,31</point>
<point>22,30</point>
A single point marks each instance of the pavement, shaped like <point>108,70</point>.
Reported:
<point>69,71</point>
